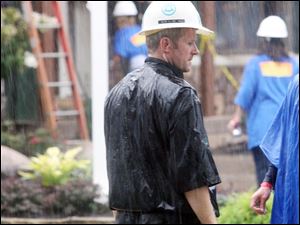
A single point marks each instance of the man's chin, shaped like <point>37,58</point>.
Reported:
<point>187,69</point>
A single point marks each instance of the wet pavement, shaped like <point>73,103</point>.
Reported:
<point>236,171</point>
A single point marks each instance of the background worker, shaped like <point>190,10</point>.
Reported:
<point>129,48</point>
<point>265,81</point>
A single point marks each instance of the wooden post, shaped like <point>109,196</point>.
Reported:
<point>207,13</point>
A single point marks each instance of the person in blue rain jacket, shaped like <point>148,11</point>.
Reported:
<point>281,146</point>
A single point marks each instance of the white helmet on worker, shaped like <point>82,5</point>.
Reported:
<point>272,27</point>
<point>125,8</point>
<point>178,14</point>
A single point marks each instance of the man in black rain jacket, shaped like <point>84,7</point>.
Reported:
<point>159,163</point>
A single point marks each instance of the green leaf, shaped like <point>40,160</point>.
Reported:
<point>54,167</point>
<point>72,153</point>
<point>237,210</point>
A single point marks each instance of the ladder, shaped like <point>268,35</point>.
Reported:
<point>48,102</point>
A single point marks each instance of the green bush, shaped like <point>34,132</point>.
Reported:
<point>29,143</point>
<point>14,42</point>
<point>10,137</point>
<point>236,210</point>
<point>38,141</point>
<point>74,198</point>
<point>54,167</point>
<point>16,142</point>
<point>21,198</point>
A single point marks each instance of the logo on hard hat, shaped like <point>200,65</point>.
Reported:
<point>169,9</point>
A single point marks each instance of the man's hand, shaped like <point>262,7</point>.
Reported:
<point>236,119</point>
<point>259,199</point>
<point>233,123</point>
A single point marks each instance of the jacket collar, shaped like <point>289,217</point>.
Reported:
<point>164,66</point>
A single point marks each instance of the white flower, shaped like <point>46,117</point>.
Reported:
<point>30,60</point>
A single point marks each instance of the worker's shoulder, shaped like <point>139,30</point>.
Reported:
<point>258,58</point>
<point>167,77</point>
<point>176,91</point>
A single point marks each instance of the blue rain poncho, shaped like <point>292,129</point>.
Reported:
<point>281,146</point>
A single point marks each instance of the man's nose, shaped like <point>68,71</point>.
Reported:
<point>195,50</point>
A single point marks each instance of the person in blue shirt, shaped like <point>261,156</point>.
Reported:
<point>281,146</point>
<point>129,47</point>
<point>264,85</point>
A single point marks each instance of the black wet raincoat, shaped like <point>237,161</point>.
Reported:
<point>157,147</point>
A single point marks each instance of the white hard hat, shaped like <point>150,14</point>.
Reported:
<point>125,8</point>
<point>273,27</point>
<point>178,14</point>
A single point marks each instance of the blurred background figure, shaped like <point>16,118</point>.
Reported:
<point>265,82</point>
<point>129,48</point>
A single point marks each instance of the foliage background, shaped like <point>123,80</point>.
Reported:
<point>236,210</point>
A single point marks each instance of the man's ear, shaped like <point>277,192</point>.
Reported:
<point>165,44</point>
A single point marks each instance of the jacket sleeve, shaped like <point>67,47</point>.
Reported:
<point>192,162</point>
<point>271,174</point>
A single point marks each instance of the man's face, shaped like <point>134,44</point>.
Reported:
<point>123,21</point>
<point>182,53</point>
